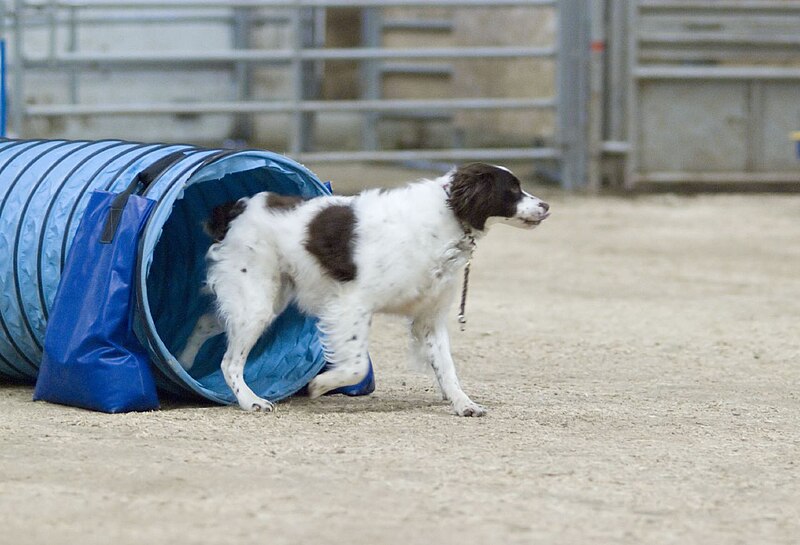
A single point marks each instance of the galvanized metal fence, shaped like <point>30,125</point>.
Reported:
<point>646,91</point>
<point>61,21</point>
<point>704,91</point>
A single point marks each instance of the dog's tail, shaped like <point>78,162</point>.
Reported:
<point>221,217</point>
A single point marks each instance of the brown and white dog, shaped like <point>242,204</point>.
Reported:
<point>343,259</point>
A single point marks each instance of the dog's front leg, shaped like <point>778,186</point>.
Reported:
<point>345,333</point>
<point>431,343</point>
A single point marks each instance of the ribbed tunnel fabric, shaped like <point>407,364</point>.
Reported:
<point>44,188</point>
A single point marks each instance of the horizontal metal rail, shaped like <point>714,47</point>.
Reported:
<point>719,38</point>
<point>717,72</point>
<point>219,16</point>
<point>742,55</point>
<point>139,4</point>
<point>726,7</point>
<point>463,154</point>
<point>719,177</point>
<point>438,69</point>
<point>292,106</point>
<point>615,147</point>
<point>65,60</point>
<point>426,25</point>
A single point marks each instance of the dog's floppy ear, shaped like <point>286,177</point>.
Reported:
<point>477,193</point>
<point>221,217</point>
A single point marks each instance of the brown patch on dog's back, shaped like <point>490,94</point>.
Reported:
<point>331,236</point>
<point>221,217</point>
<point>285,202</point>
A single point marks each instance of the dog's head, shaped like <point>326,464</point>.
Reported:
<point>482,194</point>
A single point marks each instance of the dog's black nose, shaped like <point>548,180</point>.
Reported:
<point>544,205</point>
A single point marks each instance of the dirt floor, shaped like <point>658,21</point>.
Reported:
<point>640,358</point>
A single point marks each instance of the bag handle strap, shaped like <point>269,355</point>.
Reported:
<point>142,179</point>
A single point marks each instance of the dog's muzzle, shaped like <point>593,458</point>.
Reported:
<point>540,212</point>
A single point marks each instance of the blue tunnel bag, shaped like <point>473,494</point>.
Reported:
<point>92,358</point>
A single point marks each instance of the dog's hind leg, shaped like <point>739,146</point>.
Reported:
<point>241,339</point>
<point>207,326</point>
<point>345,332</point>
<point>431,344</point>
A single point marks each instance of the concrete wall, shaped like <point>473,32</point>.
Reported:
<point>505,78</point>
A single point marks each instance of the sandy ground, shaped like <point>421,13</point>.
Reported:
<point>640,359</point>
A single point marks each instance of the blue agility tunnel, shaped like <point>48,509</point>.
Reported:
<point>44,189</point>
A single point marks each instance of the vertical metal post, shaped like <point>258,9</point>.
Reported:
<point>616,43</point>
<point>632,110</point>
<point>313,32</point>
<point>72,47</point>
<point>243,126</point>
<point>2,82</point>
<point>754,137</point>
<point>370,75</point>
<point>597,57</point>
<point>297,135</point>
<point>3,71</point>
<point>18,98</point>
<point>52,19</point>
<point>573,91</point>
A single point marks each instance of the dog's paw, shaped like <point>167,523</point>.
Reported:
<point>319,386</point>
<point>257,404</point>
<point>469,408</point>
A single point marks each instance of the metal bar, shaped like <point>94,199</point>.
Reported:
<point>632,104</point>
<point>754,132</point>
<point>52,41</point>
<point>691,21</point>
<point>788,55</point>
<point>151,4</point>
<point>708,73</point>
<point>18,98</point>
<point>616,147</point>
<point>597,39</point>
<point>283,55</point>
<point>371,82</point>
<point>573,92</point>
<point>720,177</point>
<point>716,6</point>
<point>313,72</point>
<point>147,19</point>
<point>3,101</point>
<point>243,72</point>
<point>739,39</point>
<point>615,102</point>
<point>432,155</point>
<point>72,47</point>
<point>3,73</point>
<point>425,25</point>
<point>297,136</point>
<point>438,69</point>
<point>289,106</point>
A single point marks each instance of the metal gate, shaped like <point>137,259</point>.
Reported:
<point>46,40</point>
<point>704,91</point>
